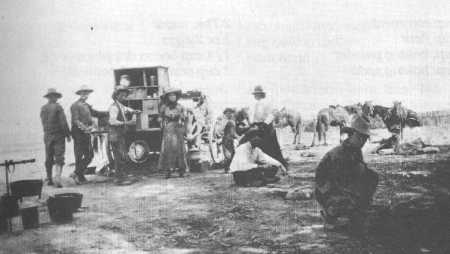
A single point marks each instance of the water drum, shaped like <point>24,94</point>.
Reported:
<point>60,209</point>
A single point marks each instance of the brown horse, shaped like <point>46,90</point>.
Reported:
<point>331,116</point>
<point>396,118</point>
<point>284,118</point>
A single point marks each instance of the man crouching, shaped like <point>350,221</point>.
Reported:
<point>251,167</point>
<point>344,183</point>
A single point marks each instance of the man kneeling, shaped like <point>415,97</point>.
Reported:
<point>251,167</point>
<point>344,184</point>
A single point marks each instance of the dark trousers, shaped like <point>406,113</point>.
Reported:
<point>254,177</point>
<point>270,144</point>
<point>119,149</point>
<point>83,151</point>
<point>55,147</point>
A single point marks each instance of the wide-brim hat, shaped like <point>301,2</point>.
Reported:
<point>172,90</point>
<point>53,91</point>
<point>361,126</point>
<point>84,88</point>
<point>118,89</point>
<point>258,90</point>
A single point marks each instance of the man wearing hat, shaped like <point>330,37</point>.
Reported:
<point>344,184</point>
<point>261,120</point>
<point>56,130</point>
<point>118,123</point>
<point>82,124</point>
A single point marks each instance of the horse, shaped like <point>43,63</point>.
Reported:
<point>396,118</point>
<point>284,118</point>
<point>334,115</point>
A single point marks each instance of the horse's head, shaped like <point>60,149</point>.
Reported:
<point>242,115</point>
<point>353,109</point>
<point>367,108</point>
<point>381,111</point>
<point>242,121</point>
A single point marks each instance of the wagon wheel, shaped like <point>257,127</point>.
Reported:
<point>138,151</point>
<point>110,155</point>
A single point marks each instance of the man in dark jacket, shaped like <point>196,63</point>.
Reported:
<point>82,124</point>
<point>56,130</point>
<point>118,123</point>
<point>344,183</point>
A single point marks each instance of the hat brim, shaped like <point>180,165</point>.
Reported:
<point>259,93</point>
<point>56,93</point>
<point>84,90</point>
<point>228,111</point>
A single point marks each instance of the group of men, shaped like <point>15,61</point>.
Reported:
<point>56,132</point>
<point>344,185</point>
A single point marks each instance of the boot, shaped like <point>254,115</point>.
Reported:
<point>57,179</point>
<point>49,175</point>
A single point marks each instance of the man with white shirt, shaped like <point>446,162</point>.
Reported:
<point>251,167</point>
<point>261,117</point>
<point>118,123</point>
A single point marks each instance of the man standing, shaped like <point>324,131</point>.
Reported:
<point>344,183</point>
<point>56,130</point>
<point>261,120</point>
<point>117,130</point>
<point>82,124</point>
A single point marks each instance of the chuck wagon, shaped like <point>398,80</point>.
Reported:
<point>146,86</point>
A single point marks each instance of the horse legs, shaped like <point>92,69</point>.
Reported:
<point>325,138</point>
<point>314,138</point>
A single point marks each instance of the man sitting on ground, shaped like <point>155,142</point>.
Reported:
<point>251,167</point>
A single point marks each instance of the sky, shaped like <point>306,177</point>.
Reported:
<point>306,54</point>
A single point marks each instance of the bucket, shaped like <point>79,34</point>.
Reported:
<point>30,217</point>
<point>60,209</point>
<point>26,188</point>
<point>74,199</point>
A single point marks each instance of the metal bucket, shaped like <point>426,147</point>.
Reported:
<point>30,217</point>
<point>60,209</point>
<point>75,199</point>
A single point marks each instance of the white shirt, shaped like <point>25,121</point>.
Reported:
<point>262,111</point>
<point>114,112</point>
<point>246,158</point>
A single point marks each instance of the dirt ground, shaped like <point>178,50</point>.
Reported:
<point>206,213</point>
